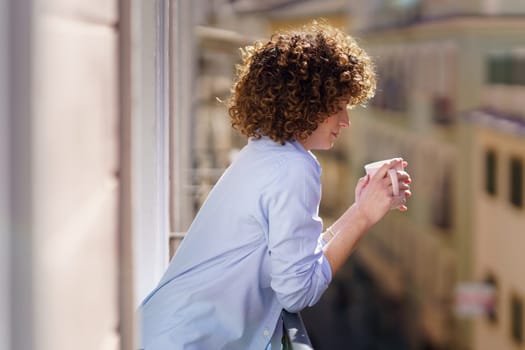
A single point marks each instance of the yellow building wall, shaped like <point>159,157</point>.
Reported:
<point>499,237</point>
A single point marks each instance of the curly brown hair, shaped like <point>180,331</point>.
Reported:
<point>288,86</point>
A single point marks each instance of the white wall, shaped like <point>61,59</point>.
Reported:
<point>71,136</point>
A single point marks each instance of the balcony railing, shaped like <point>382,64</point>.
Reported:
<point>295,337</point>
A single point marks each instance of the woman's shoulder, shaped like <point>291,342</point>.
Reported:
<point>284,165</point>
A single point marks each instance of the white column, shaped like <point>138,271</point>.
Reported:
<point>150,127</point>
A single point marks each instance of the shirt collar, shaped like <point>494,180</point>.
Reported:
<point>300,148</point>
<point>295,144</point>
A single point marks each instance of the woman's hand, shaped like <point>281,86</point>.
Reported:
<point>374,194</point>
<point>373,199</point>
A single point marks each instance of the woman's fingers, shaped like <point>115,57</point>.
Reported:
<point>403,187</point>
<point>361,184</point>
<point>403,176</point>
<point>403,183</point>
<point>381,172</point>
<point>404,180</point>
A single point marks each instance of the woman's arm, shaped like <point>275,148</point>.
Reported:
<point>299,271</point>
<point>373,201</point>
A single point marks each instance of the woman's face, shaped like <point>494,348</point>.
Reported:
<point>328,131</point>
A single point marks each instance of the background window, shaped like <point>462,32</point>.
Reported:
<point>499,69</point>
<point>519,70</point>
<point>516,182</point>
<point>516,321</point>
<point>492,314</point>
<point>442,110</point>
<point>442,203</point>
<point>490,172</point>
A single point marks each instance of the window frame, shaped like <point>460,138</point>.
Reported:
<point>515,191</point>
<point>490,174</point>
<point>5,241</point>
<point>150,166</point>
<point>493,317</point>
<point>516,330</point>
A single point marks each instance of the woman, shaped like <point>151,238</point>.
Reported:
<point>257,245</point>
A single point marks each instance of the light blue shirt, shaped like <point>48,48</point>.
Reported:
<point>253,249</point>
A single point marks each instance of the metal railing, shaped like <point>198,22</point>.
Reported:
<point>296,336</point>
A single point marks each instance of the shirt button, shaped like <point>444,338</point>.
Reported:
<point>266,333</point>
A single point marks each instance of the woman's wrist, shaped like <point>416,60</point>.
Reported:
<point>355,217</point>
<point>360,217</point>
<point>343,236</point>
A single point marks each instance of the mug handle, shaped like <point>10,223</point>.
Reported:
<point>395,182</point>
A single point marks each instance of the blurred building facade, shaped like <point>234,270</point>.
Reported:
<point>450,101</point>
<point>111,136</point>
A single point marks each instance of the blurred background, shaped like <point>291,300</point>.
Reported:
<point>111,136</point>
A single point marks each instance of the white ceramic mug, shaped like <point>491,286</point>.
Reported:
<point>372,168</point>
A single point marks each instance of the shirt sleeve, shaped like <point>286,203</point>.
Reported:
<point>300,273</point>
